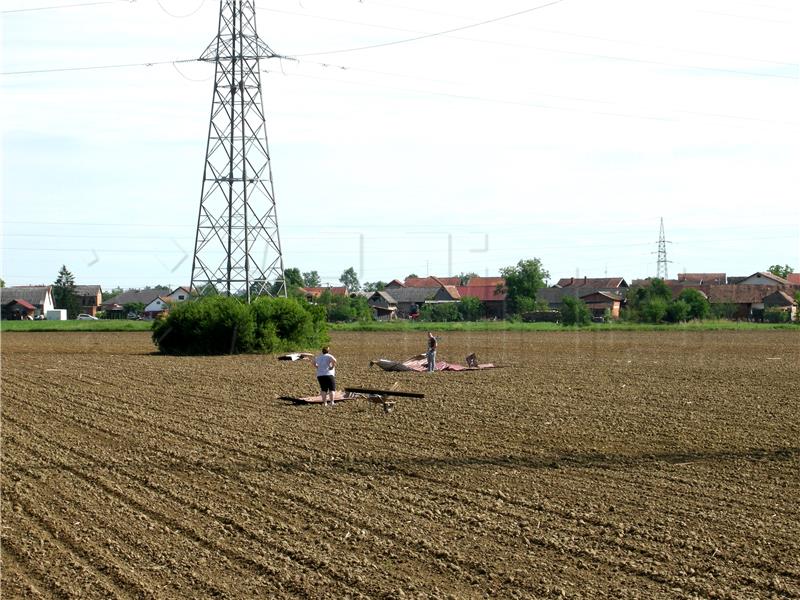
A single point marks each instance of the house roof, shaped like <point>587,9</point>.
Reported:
<point>779,298</point>
<point>412,294</point>
<point>387,297</point>
<point>431,281</point>
<point>145,296</point>
<point>395,283</point>
<point>793,278</point>
<point>493,281</point>
<point>33,294</point>
<point>484,293</point>
<point>595,282</point>
<point>22,303</point>
<point>606,295</point>
<point>711,278</point>
<point>768,275</point>
<point>338,290</point>
<point>88,290</point>
<point>736,294</point>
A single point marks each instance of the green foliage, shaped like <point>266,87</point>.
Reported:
<point>677,311</point>
<point>344,309</point>
<point>311,279</point>
<point>64,293</point>
<point>699,306</point>
<point>724,310</point>
<point>374,286</point>
<point>2,282</point>
<point>349,279</point>
<point>108,294</point>
<point>463,278</point>
<point>654,310</point>
<point>133,307</point>
<point>575,312</point>
<point>523,281</point>
<point>446,312</point>
<point>226,325</point>
<point>776,315</point>
<point>471,309</point>
<point>781,271</point>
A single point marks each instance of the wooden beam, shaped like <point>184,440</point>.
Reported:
<point>383,392</point>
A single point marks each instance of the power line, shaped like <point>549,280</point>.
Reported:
<point>97,67</point>
<point>19,10</point>
<point>435,34</point>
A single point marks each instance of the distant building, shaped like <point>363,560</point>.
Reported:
<point>703,278</point>
<point>16,300</point>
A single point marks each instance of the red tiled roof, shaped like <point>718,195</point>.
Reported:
<point>23,304</point>
<point>716,278</point>
<point>317,291</point>
<point>484,293</point>
<point>493,281</point>
<point>431,281</point>
<point>738,294</point>
<point>793,278</point>
<point>596,282</point>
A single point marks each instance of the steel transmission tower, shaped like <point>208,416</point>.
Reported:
<point>237,248</point>
<point>662,253</point>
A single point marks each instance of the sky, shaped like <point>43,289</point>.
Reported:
<point>564,133</point>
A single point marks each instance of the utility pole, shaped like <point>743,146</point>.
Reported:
<point>662,253</point>
<point>237,248</point>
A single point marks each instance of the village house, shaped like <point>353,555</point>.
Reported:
<point>603,304</point>
<point>703,278</point>
<point>782,301</point>
<point>408,301</point>
<point>90,297</point>
<point>491,298</point>
<point>313,293</point>
<point>16,301</point>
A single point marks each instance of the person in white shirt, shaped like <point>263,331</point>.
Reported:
<point>326,375</point>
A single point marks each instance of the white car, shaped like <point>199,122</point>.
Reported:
<point>85,317</point>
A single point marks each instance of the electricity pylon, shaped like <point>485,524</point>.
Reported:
<point>662,253</point>
<point>237,248</point>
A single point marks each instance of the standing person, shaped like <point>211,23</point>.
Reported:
<point>431,354</point>
<point>326,375</point>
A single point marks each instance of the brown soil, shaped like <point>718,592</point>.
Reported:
<point>593,465</point>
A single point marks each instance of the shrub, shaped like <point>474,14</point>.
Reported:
<point>776,315</point>
<point>440,313</point>
<point>677,311</point>
<point>471,309</point>
<point>699,308</point>
<point>654,311</point>
<point>575,312</point>
<point>226,325</point>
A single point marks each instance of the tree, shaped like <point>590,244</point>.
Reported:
<point>311,279</point>
<point>374,286</point>
<point>293,278</point>
<point>781,271</point>
<point>699,307</point>
<point>64,293</point>
<point>523,281</point>
<point>108,294</point>
<point>463,278</point>
<point>412,276</point>
<point>471,309</point>
<point>349,279</point>
<point>2,282</point>
<point>677,311</point>
<point>575,312</point>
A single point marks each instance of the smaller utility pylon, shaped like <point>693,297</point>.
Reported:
<point>661,268</point>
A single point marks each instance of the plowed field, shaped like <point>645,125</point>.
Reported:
<point>593,465</point>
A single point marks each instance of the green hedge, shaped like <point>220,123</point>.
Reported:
<point>227,325</point>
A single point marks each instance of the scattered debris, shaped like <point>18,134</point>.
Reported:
<point>296,356</point>
<point>419,364</point>
<point>382,397</point>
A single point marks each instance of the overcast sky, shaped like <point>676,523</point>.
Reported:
<point>563,133</point>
